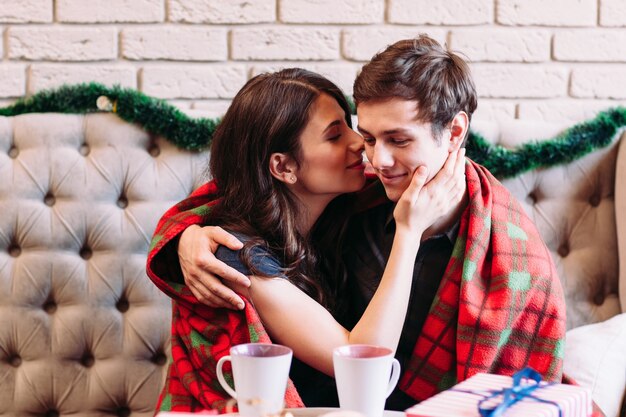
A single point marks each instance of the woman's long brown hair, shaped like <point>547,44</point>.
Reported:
<point>267,116</point>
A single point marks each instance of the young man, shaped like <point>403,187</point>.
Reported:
<point>485,294</point>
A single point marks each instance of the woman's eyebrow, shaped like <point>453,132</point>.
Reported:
<point>332,124</point>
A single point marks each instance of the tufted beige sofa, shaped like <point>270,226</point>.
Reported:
<point>83,331</point>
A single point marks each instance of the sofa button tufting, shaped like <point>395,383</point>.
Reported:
<point>159,359</point>
<point>13,152</point>
<point>52,413</point>
<point>154,151</point>
<point>122,305</point>
<point>122,202</point>
<point>87,360</point>
<point>563,250</point>
<point>14,250</point>
<point>598,299</point>
<point>84,150</point>
<point>15,361</point>
<point>49,200</point>
<point>595,200</point>
<point>532,198</point>
<point>123,412</point>
<point>50,307</point>
<point>86,253</point>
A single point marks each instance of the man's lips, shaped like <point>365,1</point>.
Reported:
<point>391,179</point>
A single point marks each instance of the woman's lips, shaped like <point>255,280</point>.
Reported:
<point>357,165</point>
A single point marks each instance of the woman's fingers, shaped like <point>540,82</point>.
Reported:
<point>417,183</point>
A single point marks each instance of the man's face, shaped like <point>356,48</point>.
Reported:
<point>396,143</point>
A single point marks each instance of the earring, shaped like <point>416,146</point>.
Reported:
<point>293,179</point>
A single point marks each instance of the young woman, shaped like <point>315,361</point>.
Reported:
<point>282,153</point>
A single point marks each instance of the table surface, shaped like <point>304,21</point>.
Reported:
<point>314,412</point>
<point>297,412</point>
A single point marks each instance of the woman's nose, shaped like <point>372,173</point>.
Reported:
<point>356,142</point>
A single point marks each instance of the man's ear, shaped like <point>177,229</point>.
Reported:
<point>458,130</point>
<point>283,167</point>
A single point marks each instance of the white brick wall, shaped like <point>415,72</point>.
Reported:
<point>44,76</point>
<point>104,11</point>
<point>549,60</point>
<point>342,74</point>
<point>547,13</point>
<point>569,110</point>
<point>613,13</point>
<point>285,43</point>
<point>62,43</point>
<point>441,12</point>
<point>331,11</point>
<point>598,45</point>
<point>592,82</point>
<point>354,46</point>
<point>12,80</point>
<point>522,81</point>
<point>220,11</point>
<point>495,110</point>
<point>193,81</point>
<point>180,43</point>
<point>26,11</point>
<point>502,45</point>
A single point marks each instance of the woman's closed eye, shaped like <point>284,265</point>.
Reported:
<point>337,132</point>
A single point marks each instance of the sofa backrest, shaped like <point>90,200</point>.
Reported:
<point>82,329</point>
<point>574,207</point>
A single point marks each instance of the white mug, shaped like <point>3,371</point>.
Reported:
<point>260,373</point>
<point>365,375</point>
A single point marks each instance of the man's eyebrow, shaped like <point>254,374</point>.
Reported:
<point>396,131</point>
<point>388,132</point>
<point>360,129</point>
<point>332,124</point>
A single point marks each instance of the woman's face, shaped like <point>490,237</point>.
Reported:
<point>331,157</point>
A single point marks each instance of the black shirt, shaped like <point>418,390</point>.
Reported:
<point>369,239</point>
<point>315,388</point>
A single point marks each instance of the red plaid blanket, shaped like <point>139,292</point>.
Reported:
<point>200,335</point>
<point>500,305</point>
<point>498,309</point>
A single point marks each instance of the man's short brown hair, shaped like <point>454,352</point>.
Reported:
<point>420,69</point>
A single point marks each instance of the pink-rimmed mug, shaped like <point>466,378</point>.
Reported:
<point>366,375</point>
<point>260,374</point>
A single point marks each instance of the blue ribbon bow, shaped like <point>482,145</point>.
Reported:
<point>512,395</point>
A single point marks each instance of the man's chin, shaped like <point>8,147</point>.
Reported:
<point>393,194</point>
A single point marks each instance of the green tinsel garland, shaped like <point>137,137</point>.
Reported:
<point>161,118</point>
<point>155,115</point>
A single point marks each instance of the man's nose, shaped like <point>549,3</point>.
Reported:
<point>380,156</point>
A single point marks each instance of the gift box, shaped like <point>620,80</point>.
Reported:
<point>523,395</point>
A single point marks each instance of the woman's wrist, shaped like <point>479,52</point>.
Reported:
<point>407,231</point>
<point>408,239</point>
